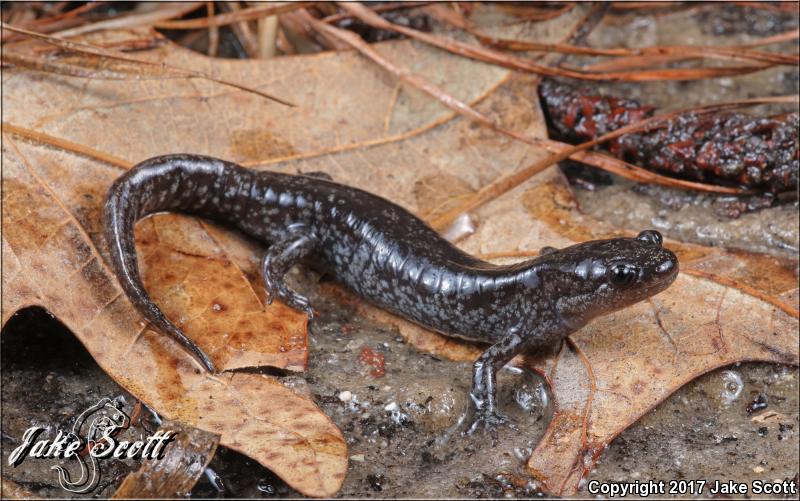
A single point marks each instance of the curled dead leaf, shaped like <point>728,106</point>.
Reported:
<point>176,473</point>
<point>196,284</point>
<point>51,230</point>
<point>45,246</point>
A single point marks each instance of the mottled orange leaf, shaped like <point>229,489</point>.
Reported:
<point>52,246</point>
<point>51,261</point>
<point>200,288</point>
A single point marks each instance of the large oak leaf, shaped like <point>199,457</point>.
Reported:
<point>53,246</point>
<point>52,231</point>
<point>50,261</point>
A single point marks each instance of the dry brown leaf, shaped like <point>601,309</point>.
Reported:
<point>627,363</point>
<point>196,285</point>
<point>488,55</point>
<point>176,473</point>
<point>52,199</point>
<point>92,61</point>
<point>331,133</point>
<point>50,260</point>
<point>621,366</point>
<point>249,14</point>
<point>12,490</point>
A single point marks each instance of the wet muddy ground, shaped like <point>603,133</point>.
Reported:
<point>739,423</point>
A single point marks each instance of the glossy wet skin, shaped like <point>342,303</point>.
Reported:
<point>389,257</point>
<point>605,276</point>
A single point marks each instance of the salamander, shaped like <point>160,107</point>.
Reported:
<point>389,257</point>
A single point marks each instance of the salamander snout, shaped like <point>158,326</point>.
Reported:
<point>669,266</point>
<point>602,276</point>
<point>661,266</point>
<point>662,271</point>
<point>665,263</point>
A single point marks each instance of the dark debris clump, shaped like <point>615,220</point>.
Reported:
<point>733,19</point>
<point>417,20</point>
<point>752,152</point>
<point>725,147</point>
<point>577,113</point>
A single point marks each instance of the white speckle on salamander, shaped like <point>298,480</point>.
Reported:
<point>387,255</point>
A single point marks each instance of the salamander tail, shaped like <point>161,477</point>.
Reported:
<point>121,211</point>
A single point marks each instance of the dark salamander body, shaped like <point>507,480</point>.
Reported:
<point>389,257</point>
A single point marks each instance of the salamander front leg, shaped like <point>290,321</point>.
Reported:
<point>483,395</point>
<point>280,257</point>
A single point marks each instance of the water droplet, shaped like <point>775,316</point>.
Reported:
<point>264,486</point>
<point>731,387</point>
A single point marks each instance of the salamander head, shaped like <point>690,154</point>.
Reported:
<point>602,276</point>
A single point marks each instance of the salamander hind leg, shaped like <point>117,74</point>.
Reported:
<point>483,395</point>
<point>280,257</point>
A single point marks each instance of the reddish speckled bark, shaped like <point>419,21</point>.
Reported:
<point>725,147</point>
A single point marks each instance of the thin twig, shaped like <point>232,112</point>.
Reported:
<point>57,22</point>
<point>133,20</point>
<point>242,15</point>
<point>504,60</point>
<point>213,32</point>
<point>66,145</point>
<point>267,35</point>
<point>384,7</point>
<point>507,183</point>
<point>146,68</point>
<point>242,31</point>
<point>677,52</point>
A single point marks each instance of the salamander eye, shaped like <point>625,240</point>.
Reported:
<point>651,236</point>
<point>622,275</point>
